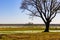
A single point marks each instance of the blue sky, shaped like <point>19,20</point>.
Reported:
<point>10,13</point>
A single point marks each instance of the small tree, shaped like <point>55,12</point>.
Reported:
<point>45,9</point>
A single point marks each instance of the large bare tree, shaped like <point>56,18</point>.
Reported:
<point>45,9</point>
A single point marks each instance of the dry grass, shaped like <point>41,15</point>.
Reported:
<point>35,36</point>
<point>21,28</point>
<point>29,36</point>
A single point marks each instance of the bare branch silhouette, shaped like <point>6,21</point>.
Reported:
<point>45,9</point>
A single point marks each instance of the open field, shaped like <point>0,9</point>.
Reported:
<point>26,29</point>
<point>28,33</point>
<point>22,28</point>
<point>31,36</point>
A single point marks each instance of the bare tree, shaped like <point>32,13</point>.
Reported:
<point>45,9</point>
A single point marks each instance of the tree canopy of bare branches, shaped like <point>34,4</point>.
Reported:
<point>45,9</point>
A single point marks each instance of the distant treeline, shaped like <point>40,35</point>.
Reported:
<point>28,25</point>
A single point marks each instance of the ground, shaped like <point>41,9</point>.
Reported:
<point>28,36</point>
<point>31,36</point>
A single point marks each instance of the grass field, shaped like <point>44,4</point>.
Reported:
<point>22,28</point>
<point>9,33</point>
<point>31,36</point>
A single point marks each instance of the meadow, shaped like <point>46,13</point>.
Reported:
<point>31,36</point>
<point>22,28</point>
<point>7,33</point>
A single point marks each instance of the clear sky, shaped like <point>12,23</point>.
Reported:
<point>10,13</point>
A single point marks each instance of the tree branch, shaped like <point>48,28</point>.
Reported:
<point>53,16</point>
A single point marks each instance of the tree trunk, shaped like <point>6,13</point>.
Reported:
<point>47,27</point>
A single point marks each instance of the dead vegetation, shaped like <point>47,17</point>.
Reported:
<point>31,36</point>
